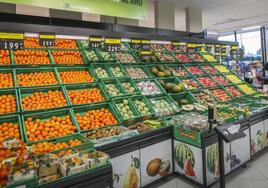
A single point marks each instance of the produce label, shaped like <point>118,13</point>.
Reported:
<point>112,44</point>
<point>145,45</point>
<point>145,55</point>
<point>187,136</point>
<point>95,41</point>
<point>209,48</point>
<point>175,45</point>
<point>217,49</point>
<point>11,41</point>
<point>235,52</point>
<point>191,48</point>
<point>136,44</point>
<point>47,39</point>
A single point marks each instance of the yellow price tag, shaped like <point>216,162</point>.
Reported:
<point>19,36</point>
<point>146,42</point>
<point>113,41</point>
<point>135,41</point>
<point>44,36</point>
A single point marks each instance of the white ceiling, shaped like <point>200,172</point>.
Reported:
<point>228,15</point>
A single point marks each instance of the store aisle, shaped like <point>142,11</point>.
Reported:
<point>255,175</point>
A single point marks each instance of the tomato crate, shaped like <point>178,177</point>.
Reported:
<point>150,87</point>
<point>117,70</point>
<point>45,76</point>
<point>81,142</point>
<point>59,57</point>
<point>234,91</point>
<point>6,60</point>
<point>80,88</point>
<point>129,86</point>
<point>142,104</point>
<point>113,87</point>
<point>126,110</point>
<point>191,83</point>
<point>165,57</point>
<point>28,92</point>
<point>137,72</point>
<point>7,79</point>
<point>178,70</point>
<point>80,112</point>
<point>220,94</point>
<point>206,81</point>
<point>101,71</point>
<point>11,96</point>
<point>14,119</point>
<point>40,118</point>
<point>69,75</point>
<point>194,69</point>
<point>182,58</point>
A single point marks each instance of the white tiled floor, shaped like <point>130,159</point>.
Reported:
<point>254,175</point>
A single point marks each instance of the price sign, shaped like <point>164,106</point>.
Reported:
<point>175,45</point>
<point>136,44</point>
<point>112,44</point>
<point>95,41</point>
<point>47,39</point>
<point>145,45</point>
<point>146,55</point>
<point>11,41</point>
<point>191,48</point>
<point>198,47</point>
<point>209,47</point>
<point>224,50</point>
<point>217,49</point>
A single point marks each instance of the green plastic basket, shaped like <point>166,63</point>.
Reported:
<point>162,90</point>
<point>95,66</point>
<point>184,95</point>
<point>148,74</point>
<point>193,79</point>
<point>47,115</point>
<point>84,62</point>
<point>203,76</point>
<point>83,109</point>
<point>174,66</point>
<point>101,54</point>
<point>136,60</point>
<point>150,114</point>
<point>26,92</point>
<point>148,67</point>
<point>115,82</point>
<point>11,57</point>
<point>84,52</point>
<point>13,92</point>
<point>11,71</point>
<point>124,81</point>
<point>85,87</point>
<point>164,85</point>
<point>117,65</point>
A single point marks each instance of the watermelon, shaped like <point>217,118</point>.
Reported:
<point>188,168</point>
<point>183,153</point>
<point>213,158</point>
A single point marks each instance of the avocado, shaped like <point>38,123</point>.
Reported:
<point>162,82</point>
<point>176,89</point>
<point>167,73</point>
<point>183,101</point>
<point>154,70</point>
<point>169,86</point>
<point>161,68</point>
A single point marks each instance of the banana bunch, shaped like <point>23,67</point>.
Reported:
<point>153,123</point>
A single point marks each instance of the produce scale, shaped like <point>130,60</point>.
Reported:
<point>114,111</point>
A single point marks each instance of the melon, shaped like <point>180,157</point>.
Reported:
<point>183,153</point>
<point>213,159</point>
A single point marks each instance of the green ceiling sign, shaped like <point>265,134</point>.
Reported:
<point>135,9</point>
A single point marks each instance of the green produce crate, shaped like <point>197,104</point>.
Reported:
<point>238,89</point>
<point>11,57</point>
<point>117,84</point>
<point>47,115</point>
<point>148,74</point>
<point>103,66</point>
<point>172,66</point>
<point>81,45</point>
<point>186,135</point>
<point>229,83</point>
<point>123,81</point>
<point>36,70</point>
<point>101,54</point>
<point>157,55</point>
<point>162,90</point>
<point>214,88</point>
<point>136,60</point>
<point>26,92</point>
<point>84,87</point>
<point>202,90</point>
<point>84,52</point>
<point>30,183</point>
<point>132,108</point>
<point>203,76</point>
<point>248,94</point>
<point>14,93</point>
<point>34,65</point>
<point>150,114</point>
<point>115,65</point>
<point>82,110</point>
<point>13,119</point>
<point>188,65</point>
<point>148,67</point>
<point>12,71</point>
<point>200,86</point>
<point>163,82</point>
<point>182,53</point>
<point>84,62</point>
<point>184,95</point>
<point>77,68</point>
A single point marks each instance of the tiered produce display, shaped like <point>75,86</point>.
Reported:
<point>65,100</point>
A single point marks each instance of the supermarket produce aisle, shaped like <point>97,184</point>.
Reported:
<point>254,175</point>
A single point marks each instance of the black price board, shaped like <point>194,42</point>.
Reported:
<point>191,48</point>
<point>136,44</point>
<point>95,41</point>
<point>112,44</point>
<point>146,55</point>
<point>145,45</point>
<point>11,40</point>
<point>176,45</point>
<point>230,132</point>
<point>47,39</point>
<point>235,52</point>
<point>209,47</point>
<point>198,47</point>
<point>217,49</point>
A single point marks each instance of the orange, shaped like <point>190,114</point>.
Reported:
<point>85,96</point>
<point>9,130</point>
<point>4,57</point>
<point>7,104</point>
<point>67,57</point>
<point>35,57</point>
<point>69,77</point>
<point>6,80</point>
<point>36,79</point>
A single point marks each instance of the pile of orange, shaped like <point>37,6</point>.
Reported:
<point>47,147</point>
<point>50,128</point>
<point>9,130</point>
<point>65,43</point>
<point>6,80</point>
<point>32,43</point>
<point>67,57</point>
<point>36,79</point>
<point>4,57</point>
<point>40,100</point>
<point>85,96</point>
<point>33,57</point>
<point>7,104</point>
<point>95,118</point>
<point>70,77</point>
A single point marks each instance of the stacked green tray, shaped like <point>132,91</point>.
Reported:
<point>12,72</point>
<point>143,99</point>
<point>116,83</point>
<point>84,62</point>
<point>13,119</point>
<point>14,93</point>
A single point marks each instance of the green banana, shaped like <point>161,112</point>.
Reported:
<point>153,123</point>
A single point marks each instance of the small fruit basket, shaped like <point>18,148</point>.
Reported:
<point>9,102</point>
<point>65,44</point>
<point>125,57</point>
<point>117,70</point>
<point>221,80</point>
<point>165,57</point>
<point>31,57</point>
<point>143,106</point>
<point>149,87</point>
<point>137,72</point>
<point>220,95</point>
<point>195,70</point>
<point>36,77</point>
<point>178,70</point>
<point>85,94</point>
<point>7,78</point>
<point>196,57</point>
<point>164,106</point>
<point>10,127</point>
<point>107,56</point>
<point>113,87</point>
<point>190,83</point>
<point>43,98</point>
<point>45,126</point>
<point>95,158</point>
<point>70,57</point>
<point>75,75</point>
<point>234,91</point>
<point>222,69</point>
<point>159,70</point>
<point>183,58</point>
<point>96,116</point>
<point>5,57</point>
<point>204,97</point>
<point>72,165</point>
<point>209,69</point>
<point>129,86</point>
<point>101,71</point>
<point>233,78</point>
<point>126,110</point>
<point>92,56</point>
<point>206,81</point>
<point>171,85</point>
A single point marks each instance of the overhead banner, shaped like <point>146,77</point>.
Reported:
<point>134,9</point>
